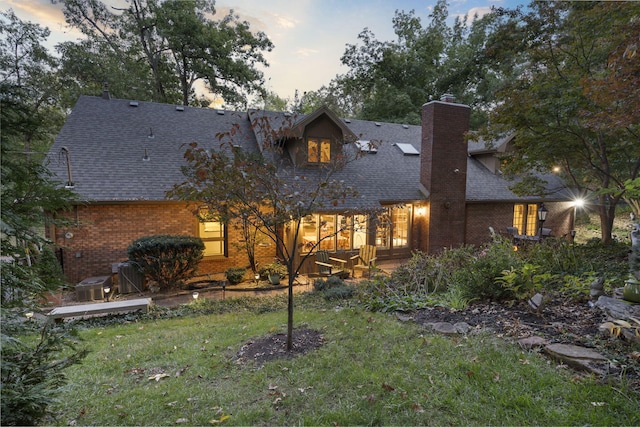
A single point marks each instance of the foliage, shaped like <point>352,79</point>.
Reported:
<point>424,273</point>
<point>391,80</point>
<point>48,269</point>
<point>163,49</point>
<point>524,282</point>
<point>235,275</point>
<point>477,279</point>
<point>169,260</point>
<point>272,268</point>
<point>32,374</point>
<point>30,88</point>
<point>333,288</point>
<point>573,52</point>
<point>263,190</point>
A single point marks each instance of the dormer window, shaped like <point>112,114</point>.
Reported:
<point>318,150</point>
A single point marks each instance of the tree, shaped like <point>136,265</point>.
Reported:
<point>167,46</point>
<point>390,81</point>
<point>261,189</point>
<point>29,82</point>
<point>556,106</point>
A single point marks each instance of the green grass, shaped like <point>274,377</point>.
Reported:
<point>372,369</point>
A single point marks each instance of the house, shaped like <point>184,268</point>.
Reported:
<point>438,190</point>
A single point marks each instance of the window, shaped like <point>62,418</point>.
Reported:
<point>393,228</point>
<point>334,232</point>
<point>213,235</point>
<point>525,218</point>
<point>318,150</point>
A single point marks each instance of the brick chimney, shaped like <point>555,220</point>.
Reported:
<point>443,172</point>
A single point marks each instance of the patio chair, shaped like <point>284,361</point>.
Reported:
<point>365,259</point>
<point>330,266</point>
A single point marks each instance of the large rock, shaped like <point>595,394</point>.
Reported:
<point>577,357</point>
<point>617,309</point>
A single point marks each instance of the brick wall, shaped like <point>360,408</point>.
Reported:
<point>481,216</point>
<point>105,232</point>
<point>443,172</point>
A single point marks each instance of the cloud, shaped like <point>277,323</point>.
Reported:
<point>306,52</point>
<point>284,22</point>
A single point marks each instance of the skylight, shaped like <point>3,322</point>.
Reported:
<point>407,149</point>
<point>366,146</point>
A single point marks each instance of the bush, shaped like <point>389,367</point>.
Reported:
<point>235,275</point>
<point>169,260</point>
<point>49,269</point>
<point>32,375</point>
<point>272,268</point>
<point>333,288</point>
<point>424,273</point>
<point>477,280</point>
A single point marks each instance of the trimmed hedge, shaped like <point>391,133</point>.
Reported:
<point>168,260</point>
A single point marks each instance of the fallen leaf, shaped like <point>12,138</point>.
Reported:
<point>387,387</point>
<point>496,377</point>
<point>469,373</point>
<point>524,361</point>
<point>182,420</point>
<point>222,419</point>
<point>172,403</point>
<point>417,407</point>
<point>158,377</point>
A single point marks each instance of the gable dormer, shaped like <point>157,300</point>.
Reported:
<point>318,138</point>
<point>489,154</point>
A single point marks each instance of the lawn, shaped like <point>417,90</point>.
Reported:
<point>371,369</point>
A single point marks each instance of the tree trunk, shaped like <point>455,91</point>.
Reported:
<point>290,314</point>
<point>607,213</point>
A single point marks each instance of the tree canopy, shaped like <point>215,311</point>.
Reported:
<point>575,104</point>
<point>159,50</point>
<point>391,80</point>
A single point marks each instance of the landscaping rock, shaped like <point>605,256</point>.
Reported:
<point>577,357</point>
<point>617,309</point>
<point>536,302</point>
<point>597,288</point>
<point>462,327</point>
<point>444,328</point>
<point>529,343</point>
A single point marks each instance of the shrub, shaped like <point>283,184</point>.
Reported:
<point>425,273</point>
<point>521,283</point>
<point>333,288</point>
<point>320,285</point>
<point>235,275</point>
<point>32,375</point>
<point>477,278</point>
<point>272,268</point>
<point>49,270</point>
<point>169,260</point>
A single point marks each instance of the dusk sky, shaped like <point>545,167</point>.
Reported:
<point>307,53</point>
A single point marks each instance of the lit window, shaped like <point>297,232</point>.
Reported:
<point>525,218</point>
<point>334,232</point>
<point>393,228</point>
<point>318,150</point>
<point>212,234</point>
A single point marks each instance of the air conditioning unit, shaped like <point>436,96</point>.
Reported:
<point>130,279</point>
<point>92,288</point>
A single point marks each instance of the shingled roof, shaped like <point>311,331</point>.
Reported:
<point>107,140</point>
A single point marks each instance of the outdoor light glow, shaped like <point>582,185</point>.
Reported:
<point>556,169</point>
<point>578,203</point>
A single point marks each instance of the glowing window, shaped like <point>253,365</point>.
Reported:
<point>318,150</point>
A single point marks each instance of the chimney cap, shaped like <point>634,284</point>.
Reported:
<point>448,97</point>
<point>105,91</point>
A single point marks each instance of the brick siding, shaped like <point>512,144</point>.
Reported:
<point>106,230</point>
